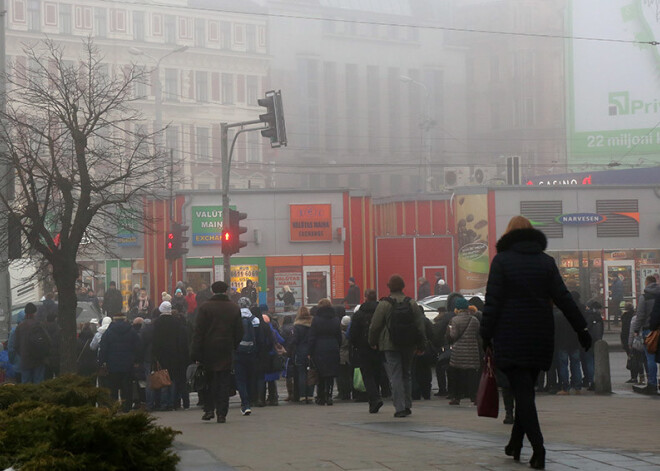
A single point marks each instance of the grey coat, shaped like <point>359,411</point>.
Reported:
<point>644,307</point>
<point>465,350</point>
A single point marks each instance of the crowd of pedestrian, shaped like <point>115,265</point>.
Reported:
<point>221,343</point>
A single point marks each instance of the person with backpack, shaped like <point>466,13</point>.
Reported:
<point>245,358</point>
<point>397,329</point>
<point>366,358</point>
<point>33,346</point>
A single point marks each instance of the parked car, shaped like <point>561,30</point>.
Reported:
<point>85,312</point>
<point>435,302</point>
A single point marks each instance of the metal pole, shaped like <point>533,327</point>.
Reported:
<point>5,181</point>
<point>224,147</point>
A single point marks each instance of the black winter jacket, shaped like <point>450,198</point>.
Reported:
<point>522,284</point>
<point>325,337</point>
<point>119,347</point>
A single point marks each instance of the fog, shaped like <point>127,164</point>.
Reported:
<point>405,96</point>
<point>391,96</point>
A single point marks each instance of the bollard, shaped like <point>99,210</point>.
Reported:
<point>602,378</point>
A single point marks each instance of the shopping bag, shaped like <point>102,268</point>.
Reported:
<point>159,378</point>
<point>358,382</point>
<point>488,401</point>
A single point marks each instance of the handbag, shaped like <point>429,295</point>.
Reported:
<point>637,344</point>
<point>488,401</point>
<point>159,378</point>
<point>651,341</point>
<point>312,374</point>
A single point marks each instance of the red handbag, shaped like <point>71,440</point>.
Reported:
<point>488,400</point>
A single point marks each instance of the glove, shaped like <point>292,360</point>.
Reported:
<point>585,339</point>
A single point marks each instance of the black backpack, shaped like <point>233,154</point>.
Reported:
<point>39,342</point>
<point>248,342</point>
<point>402,326</point>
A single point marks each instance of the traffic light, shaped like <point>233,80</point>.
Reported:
<point>175,241</point>
<point>274,118</point>
<point>231,234</point>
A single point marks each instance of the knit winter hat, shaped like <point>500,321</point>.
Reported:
<point>244,302</point>
<point>461,304</point>
<point>178,291</point>
<point>345,320</point>
<point>165,307</point>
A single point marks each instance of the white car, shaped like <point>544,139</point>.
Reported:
<point>433,303</point>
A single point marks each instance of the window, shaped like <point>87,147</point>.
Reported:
<point>118,21</point>
<point>214,31</point>
<point>262,36</point>
<point>202,86</point>
<point>185,28</point>
<point>239,34</point>
<point>251,37</point>
<point>18,11</point>
<point>253,147</point>
<point>227,88</point>
<point>225,34</point>
<point>101,21</point>
<point>200,32</point>
<point>34,15</point>
<point>140,86</point>
<point>202,144</point>
<point>170,29</point>
<point>50,12</point>
<point>330,98</point>
<point>157,25</point>
<point>172,140</point>
<point>83,17</point>
<point>252,89</point>
<point>373,107</point>
<point>138,25</point>
<point>171,85</point>
<point>65,18</point>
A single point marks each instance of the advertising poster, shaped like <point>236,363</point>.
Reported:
<point>472,242</point>
<point>310,222</point>
<point>241,273</point>
<point>294,281</point>
<point>614,94</point>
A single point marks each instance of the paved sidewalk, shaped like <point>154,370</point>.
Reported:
<point>586,432</point>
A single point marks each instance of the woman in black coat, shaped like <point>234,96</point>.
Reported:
<point>518,323</point>
<point>299,351</point>
<point>324,341</point>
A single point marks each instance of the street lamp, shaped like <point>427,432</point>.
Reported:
<point>425,126</point>
<point>158,91</point>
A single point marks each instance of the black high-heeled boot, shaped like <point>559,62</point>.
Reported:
<point>538,459</point>
<point>513,450</point>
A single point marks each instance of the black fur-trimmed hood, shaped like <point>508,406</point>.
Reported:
<point>523,240</point>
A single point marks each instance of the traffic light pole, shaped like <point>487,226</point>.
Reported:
<point>226,154</point>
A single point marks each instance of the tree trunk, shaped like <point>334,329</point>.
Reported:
<point>65,274</point>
